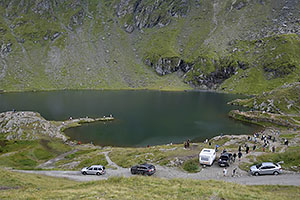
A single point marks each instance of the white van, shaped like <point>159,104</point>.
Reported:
<point>207,156</point>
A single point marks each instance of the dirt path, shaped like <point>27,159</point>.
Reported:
<point>214,172</point>
<point>50,164</point>
<point>110,162</point>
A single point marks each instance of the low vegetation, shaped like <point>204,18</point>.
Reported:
<point>27,186</point>
<point>29,154</point>
<point>191,166</point>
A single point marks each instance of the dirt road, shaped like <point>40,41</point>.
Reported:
<point>208,173</point>
<point>213,172</point>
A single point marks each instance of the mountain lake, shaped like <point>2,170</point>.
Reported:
<point>141,117</point>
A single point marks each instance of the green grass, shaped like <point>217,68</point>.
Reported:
<point>275,61</point>
<point>29,186</point>
<point>84,157</point>
<point>28,154</point>
<point>288,136</point>
<point>162,155</point>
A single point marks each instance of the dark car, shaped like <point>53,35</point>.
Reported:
<point>144,169</point>
<point>225,159</point>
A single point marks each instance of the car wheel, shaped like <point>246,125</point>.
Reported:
<point>275,173</point>
<point>132,172</point>
<point>256,174</point>
<point>84,173</point>
<point>98,174</point>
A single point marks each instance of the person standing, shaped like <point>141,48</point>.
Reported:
<point>247,149</point>
<point>273,149</point>
<point>240,148</point>
<point>188,143</point>
<point>225,171</point>
<point>240,155</point>
<point>234,156</point>
<point>234,172</point>
<point>254,147</point>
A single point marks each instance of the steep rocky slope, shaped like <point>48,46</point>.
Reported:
<point>245,46</point>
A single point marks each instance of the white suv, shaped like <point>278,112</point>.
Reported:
<point>94,170</point>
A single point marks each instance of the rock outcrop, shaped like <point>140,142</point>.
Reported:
<point>28,126</point>
<point>31,125</point>
<point>147,14</point>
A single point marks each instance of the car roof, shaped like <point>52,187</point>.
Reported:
<point>96,166</point>
<point>207,151</point>
<point>225,154</point>
<point>144,165</point>
<point>267,163</point>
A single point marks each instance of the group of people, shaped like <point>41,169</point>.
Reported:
<point>233,172</point>
<point>186,144</point>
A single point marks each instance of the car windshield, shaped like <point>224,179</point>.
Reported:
<point>224,158</point>
<point>258,165</point>
<point>205,158</point>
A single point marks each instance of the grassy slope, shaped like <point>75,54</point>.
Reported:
<point>272,62</point>
<point>25,186</point>
<point>29,154</point>
<point>97,53</point>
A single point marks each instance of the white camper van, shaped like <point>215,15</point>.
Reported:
<point>207,156</point>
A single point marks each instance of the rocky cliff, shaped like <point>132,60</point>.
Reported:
<point>244,46</point>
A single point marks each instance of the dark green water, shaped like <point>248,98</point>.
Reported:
<point>142,117</point>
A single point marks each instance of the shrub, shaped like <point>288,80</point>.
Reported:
<point>191,166</point>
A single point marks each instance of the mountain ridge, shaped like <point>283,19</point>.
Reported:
<point>141,44</point>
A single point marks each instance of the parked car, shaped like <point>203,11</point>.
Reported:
<point>93,170</point>
<point>266,168</point>
<point>225,159</point>
<point>144,169</point>
<point>207,156</point>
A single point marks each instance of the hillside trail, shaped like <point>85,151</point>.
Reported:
<point>50,164</point>
<point>109,161</point>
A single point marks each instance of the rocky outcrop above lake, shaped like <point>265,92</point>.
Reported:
<point>266,119</point>
<point>28,125</point>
